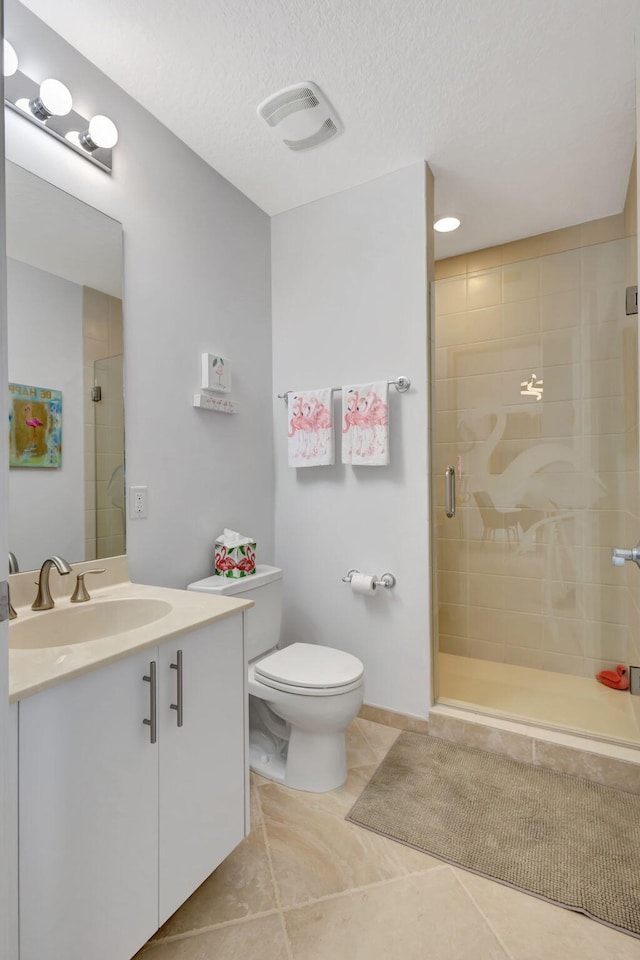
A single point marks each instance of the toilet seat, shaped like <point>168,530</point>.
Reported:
<point>310,669</point>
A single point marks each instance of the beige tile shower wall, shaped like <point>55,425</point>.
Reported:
<point>539,590</point>
<point>102,338</point>
<point>544,244</point>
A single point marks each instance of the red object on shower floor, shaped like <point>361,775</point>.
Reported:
<point>617,679</point>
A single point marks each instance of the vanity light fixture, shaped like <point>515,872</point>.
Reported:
<point>9,59</point>
<point>49,105</point>
<point>53,100</point>
<point>102,132</point>
<point>446,224</point>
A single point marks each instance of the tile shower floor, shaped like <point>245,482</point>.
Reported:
<point>571,703</point>
<point>307,885</point>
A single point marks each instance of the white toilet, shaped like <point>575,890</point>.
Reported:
<point>301,697</point>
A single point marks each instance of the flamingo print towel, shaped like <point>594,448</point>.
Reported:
<point>311,428</point>
<point>365,424</point>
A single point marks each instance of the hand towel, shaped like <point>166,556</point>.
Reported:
<point>365,424</point>
<point>310,430</point>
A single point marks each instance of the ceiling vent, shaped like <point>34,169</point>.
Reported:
<point>301,116</point>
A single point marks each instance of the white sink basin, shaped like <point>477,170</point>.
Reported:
<point>85,622</point>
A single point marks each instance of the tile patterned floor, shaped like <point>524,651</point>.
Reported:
<point>307,885</point>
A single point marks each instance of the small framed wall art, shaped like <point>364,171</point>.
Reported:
<point>35,426</point>
<point>216,373</point>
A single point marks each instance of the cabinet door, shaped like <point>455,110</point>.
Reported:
<point>88,829</point>
<point>12,871</point>
<point>202,776</point>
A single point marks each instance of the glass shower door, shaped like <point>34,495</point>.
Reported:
<point>536,411</point>
<point>109,458</point>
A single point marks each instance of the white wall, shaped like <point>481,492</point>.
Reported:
<point>46,506</point>
<point>350,305</point>
<point>196,278</point>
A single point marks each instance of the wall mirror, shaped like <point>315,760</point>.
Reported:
<point>65,360</point>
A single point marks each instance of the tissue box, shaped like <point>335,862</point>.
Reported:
<point>235,562</point>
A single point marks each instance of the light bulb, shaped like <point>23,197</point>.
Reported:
<point>9,59</point>
<point>102,132</point>
<point>446,224</point>
<point>54,100</point>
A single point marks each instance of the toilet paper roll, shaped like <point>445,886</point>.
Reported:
<point>361,583</point>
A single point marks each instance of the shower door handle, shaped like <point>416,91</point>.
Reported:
<point>450,492</point>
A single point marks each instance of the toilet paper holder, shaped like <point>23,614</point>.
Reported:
<point>386,580</point>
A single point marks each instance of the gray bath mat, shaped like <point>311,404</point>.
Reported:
<point>566,840</point>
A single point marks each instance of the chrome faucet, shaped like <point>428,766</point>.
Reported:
<point>44,600</point>
<point>13,563</point>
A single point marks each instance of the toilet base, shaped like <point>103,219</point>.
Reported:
<point>315,746</point>
<point>268,765</point>
<point>315,762</point>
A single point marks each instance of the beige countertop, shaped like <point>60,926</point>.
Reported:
<point>33,670</point>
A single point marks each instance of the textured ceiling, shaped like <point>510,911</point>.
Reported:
<point>524,108</point>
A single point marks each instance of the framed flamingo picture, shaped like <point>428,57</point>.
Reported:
<point>216,373</point>
<point>35,426</point>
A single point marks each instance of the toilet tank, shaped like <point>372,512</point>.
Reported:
<point>264,587</point>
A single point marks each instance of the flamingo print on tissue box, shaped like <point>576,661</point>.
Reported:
<point>310,434</point>
<point>365,424</point>
<point>235,561</point>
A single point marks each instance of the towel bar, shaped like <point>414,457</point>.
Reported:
<point>401,384</point>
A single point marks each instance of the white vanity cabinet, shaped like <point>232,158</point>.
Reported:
<point>116,832</point>
<point>202,762</point>
<point>88,816</point>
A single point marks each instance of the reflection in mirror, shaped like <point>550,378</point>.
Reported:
<point>64,294</point>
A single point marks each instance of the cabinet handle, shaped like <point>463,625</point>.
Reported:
<point>178,666</point>
<point>153,709</point>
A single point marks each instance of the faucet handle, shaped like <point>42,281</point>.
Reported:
<point>12,609</point>
<point>81,594</point>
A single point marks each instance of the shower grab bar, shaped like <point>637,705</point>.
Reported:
<point>450,492</point>
<point>401,384</point>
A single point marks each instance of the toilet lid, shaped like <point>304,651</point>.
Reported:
<point>310,665</point>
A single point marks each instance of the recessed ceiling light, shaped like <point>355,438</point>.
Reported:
<point>446,224</point>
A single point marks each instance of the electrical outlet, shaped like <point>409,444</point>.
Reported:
<point>137,503</point>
